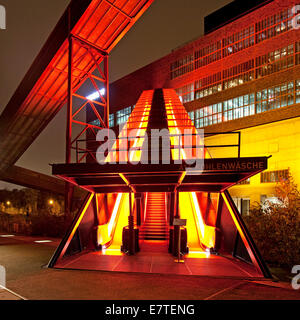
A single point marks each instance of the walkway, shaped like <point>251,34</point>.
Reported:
<point>154,258</point>
<point>23,259</point>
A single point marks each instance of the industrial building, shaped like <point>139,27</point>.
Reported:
<point>242,75</point>
<point>237,87</point>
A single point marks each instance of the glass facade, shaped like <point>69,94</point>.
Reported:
<point>182,66</point>
<point>208,115</point>
<point>239,107</point>
<point>275,97</point>
<point>238,41</point>
<point>208,85</point>
<point>280,96</point>
<point>207,55</point>
<point>238,74</point>
<point>273,62</point>
<point>111,120</point>
<point>123,115</point>
<point>273,176</point>
<point>186,93</point>
<point>265,29</point>
<point>259,66</point>
<point>274,25</point>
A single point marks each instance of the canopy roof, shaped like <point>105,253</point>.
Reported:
<point>218,175</point>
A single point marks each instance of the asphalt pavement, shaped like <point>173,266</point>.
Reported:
<point>25,260</point>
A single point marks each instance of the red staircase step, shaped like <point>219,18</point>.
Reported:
<point>155,226</point>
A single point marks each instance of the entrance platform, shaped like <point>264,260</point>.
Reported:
<point>154,258</point>
<point>137,197</point>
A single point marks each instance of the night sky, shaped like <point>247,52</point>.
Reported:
<point>166,25</point>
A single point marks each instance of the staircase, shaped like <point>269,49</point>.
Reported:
<point>155,226</point>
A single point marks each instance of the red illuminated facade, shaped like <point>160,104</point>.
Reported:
<point>242,75</point>
<point>131,201</point>
<point>257,51</point>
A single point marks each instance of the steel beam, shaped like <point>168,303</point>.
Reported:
<point>36,180</point>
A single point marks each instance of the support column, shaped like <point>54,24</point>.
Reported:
<point>138,207</point>
<point>176,247</point>
<point>106,73</point>
<point>131,248</point>
<point>218,223</point>
<point>172,208</point>
<point>68,187</point>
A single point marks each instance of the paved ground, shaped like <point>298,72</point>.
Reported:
<point>154,258</point>
<point>23,259</point>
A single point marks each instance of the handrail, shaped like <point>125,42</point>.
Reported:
<point>85,151</point>
<point>115,223</point>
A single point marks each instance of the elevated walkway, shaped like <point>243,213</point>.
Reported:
<point>43,90</point>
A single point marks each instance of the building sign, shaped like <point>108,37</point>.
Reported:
<point>179,222</point>
<point>243,164</point>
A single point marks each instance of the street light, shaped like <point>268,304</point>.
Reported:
<point>8,203</point>
<point>51,202</point>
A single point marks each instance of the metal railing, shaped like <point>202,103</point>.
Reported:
<point>91,145</point>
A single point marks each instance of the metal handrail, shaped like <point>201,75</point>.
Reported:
<point>80,150</point>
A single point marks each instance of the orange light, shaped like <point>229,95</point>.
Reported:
<point>51,202</point>
<point>138,123</point>
<point>121,221</point>
<point>110,252</point>
<point>71,235</point>
<point>179,122</point>
<point>198,255</point>
<point>199,215</point>
<point>199,233</point>
<point>114,214</point>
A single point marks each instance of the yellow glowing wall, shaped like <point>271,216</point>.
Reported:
<point>111,233</point>
<point>197,231</point>
<point>280,139</point>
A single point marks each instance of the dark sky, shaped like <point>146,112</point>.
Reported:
<point>166,25</point>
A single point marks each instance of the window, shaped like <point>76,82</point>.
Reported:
<point>274,25</point>
<point>209,54</point>
<point>262,30</point>
<point>275,61</point>
<point>238,41</point>
<point>186,93</point>
<point>275,97</point>
<point>123,115</point>
<point>98,124</point>
<point>208,85</point>
<point>273,176</point>
<point>242,204</point>
<point>238,74</point>
<point>245,207</point>
<point>208,115</point>
<point>192,115</point>
<point>243,106</point>
<point>297,53</point>
<point>247,181</point>
<point>239,107</point>
<point>111,120</point>
<point>297,91</point>
<point>182,66</point>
